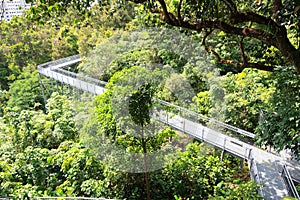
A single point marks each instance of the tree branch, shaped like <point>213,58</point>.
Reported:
<point>209,50</point>
<point>166,13</point>
<point>227,28</point>
<point>241,65</point>
<point>178,12</point>
<point>205,36</point>
<point>274,35</point>
<point>254,17</point>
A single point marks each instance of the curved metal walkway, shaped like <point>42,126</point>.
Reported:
<point>265,168</point>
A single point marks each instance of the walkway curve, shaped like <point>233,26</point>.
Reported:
<point>265,168</point>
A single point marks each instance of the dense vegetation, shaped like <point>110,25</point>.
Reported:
<point>44,148</point>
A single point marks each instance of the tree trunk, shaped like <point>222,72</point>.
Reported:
<point>288,50</point>
<point>146,173</point>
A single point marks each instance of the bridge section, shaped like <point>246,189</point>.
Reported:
<point>265,168</point>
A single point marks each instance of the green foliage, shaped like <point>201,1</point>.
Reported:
<point>246,94</point>
<point>39,152</point>
<point>30,166</point>
<point>81,13</point>
<point>148,58</point>
<point>4,72</point>
<point>57,172</point>
<point>44,11</point>
<point>140,105</point>
<point>280,124</point>
<point>288,198</point>
<point>76,166</point>
<point>243,191</point>
<point>65,43</point>
<point>191,176</point>
<point>34,128</point>
<point>195,172</point>
<point>136,58</point>
<point>203,104</point>
<point>25,93</point>
<point>3,100</point>
<point>124,112</point>
<point>70,169</point>
<point>24,45</point>
<point>195,78</point>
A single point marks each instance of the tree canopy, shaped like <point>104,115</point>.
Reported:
<point>253,34</point>
<point>271,27</point>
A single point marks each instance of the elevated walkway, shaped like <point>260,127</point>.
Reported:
<point>265,168</point>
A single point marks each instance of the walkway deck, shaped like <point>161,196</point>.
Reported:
<point>265,168</point>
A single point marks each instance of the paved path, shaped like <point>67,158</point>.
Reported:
<point>265,168</point>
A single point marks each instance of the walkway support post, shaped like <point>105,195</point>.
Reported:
<point>223,151</point>
<point>43,91</point>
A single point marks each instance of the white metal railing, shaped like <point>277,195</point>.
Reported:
<point>54,70</point>
<point>203,133</point>
<point>289,182</point>
<point>54,67</point>
<point>63,61</point>
<point>81,77</point>
<point>196,116</point>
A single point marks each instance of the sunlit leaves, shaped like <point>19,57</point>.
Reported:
<point>247,93</point>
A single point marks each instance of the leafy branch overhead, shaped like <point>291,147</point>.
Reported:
<point>258,34</point>
<point>273,23</point>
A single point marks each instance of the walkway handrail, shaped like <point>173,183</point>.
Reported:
<point>201,132</point>
<point>71,60</point>
<point>289,182</point>
<point>63,62</point>
<point>207,119</point>
<point>81,77</point>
